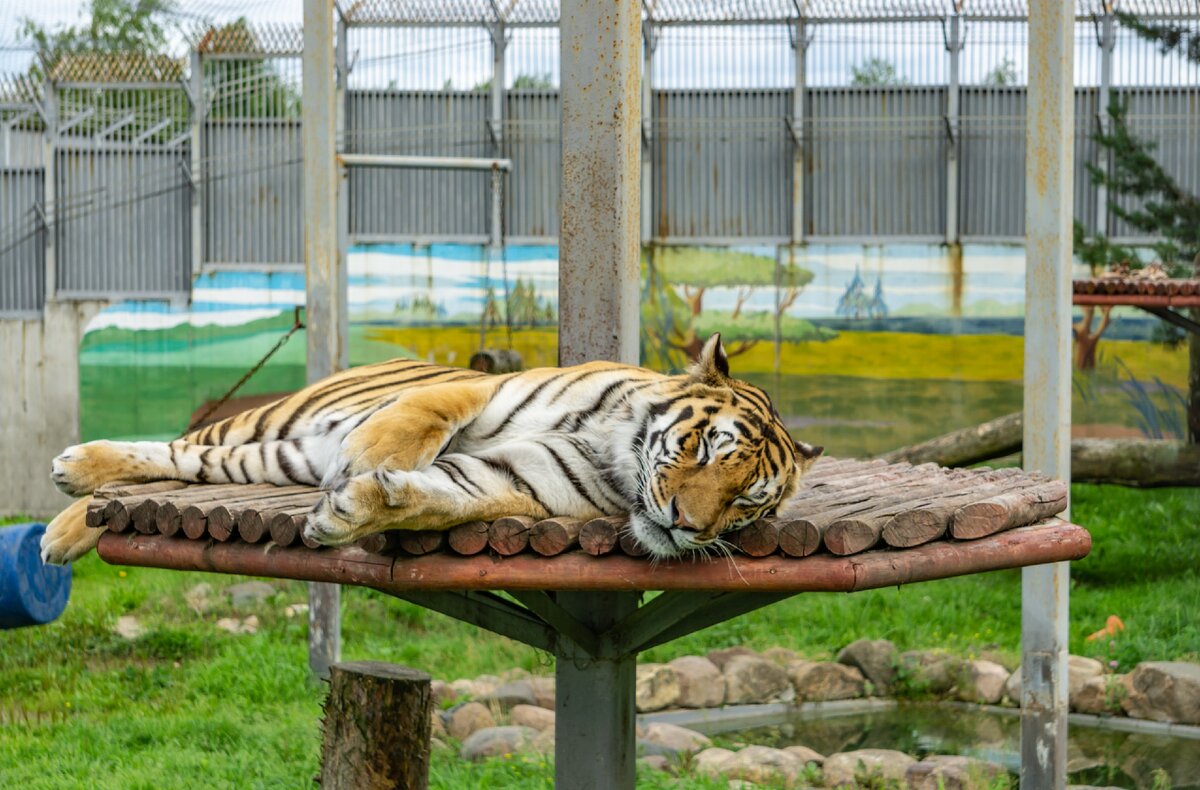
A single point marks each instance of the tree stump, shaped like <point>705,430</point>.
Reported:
<point>376,728</point>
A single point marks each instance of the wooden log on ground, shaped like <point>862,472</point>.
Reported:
<point>468,539</point>
<point>552,536</point>
<point>600,536</point>
<point>376,728</point>
<point>931,520</point>
<point>758,539</point>
<point>419,542</point>
<point>510,535</point>
<point>1010,509</point>
<point>798,537</point>
<point>1135,462</point>
<point>967,446</point>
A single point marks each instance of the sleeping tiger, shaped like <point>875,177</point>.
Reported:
<point>409,445</point>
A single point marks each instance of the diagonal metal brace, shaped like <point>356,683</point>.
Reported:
<point>488,611</point>
<point>541,604</point>
<point>1178,319</point>
<point>679,613</point>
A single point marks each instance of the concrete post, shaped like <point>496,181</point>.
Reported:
<point>599,220</point>
<point>799,102</point>
<point>1049,164</point>
<point>649,44</point>
<point>953,47</point>
<point>1107,42</point>
<point>196,163</point>
<point>325,280</point>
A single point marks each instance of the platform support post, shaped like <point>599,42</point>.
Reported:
<point>324,274</point>
<point>1049,162</point>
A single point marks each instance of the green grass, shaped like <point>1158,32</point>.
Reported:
<point>188,705</point>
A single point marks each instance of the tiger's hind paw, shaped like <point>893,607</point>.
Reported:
<point>67,536</point>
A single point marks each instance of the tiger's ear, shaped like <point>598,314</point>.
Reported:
<point>712,366</point>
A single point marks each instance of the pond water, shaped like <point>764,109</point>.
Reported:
<point>1095,757</point>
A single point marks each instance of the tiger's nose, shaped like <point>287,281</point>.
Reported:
<point>678,518</point>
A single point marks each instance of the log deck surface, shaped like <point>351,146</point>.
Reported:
<point>853,525</point>
<point>1137,292</point>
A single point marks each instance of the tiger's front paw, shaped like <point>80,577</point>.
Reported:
<point>355,510</point>
<point>67,536</point>
<point>83,468</point>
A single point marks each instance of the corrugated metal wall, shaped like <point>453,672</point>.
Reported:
<point>22,246</point>
<point>531,141</point>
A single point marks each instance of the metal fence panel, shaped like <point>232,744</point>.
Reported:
<point>22,243</point>
<point>123,222</point>
<point>421,204</point>
<point>253,192</point>
<point>531,140</point>
<point>721,164</point>
<point>877,162</point>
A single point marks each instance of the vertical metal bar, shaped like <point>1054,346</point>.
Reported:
<point>496,125</point>
<point>1107,42</point>
<point>196,164</point>
<point>50,186</point>
<point>649,42</point>
<point>325,279</point>
<point>799,100</point>
<point>1049,169</point>
<point>954,46</point>
<point>599,217</point>
<point>594,744</point>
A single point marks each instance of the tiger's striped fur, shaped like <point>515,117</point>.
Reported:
<point>405,444</point>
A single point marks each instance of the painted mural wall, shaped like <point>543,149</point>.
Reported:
<point>863,348</point>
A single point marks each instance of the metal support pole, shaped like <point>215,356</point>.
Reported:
<point>1107,41</point>
<point>594,736</point>
<point>799,102</point>
<point>599,220</point>
<point>1049,164</point>
<point>954,47</point>
<point>50,186</point>
<point>649,44</point>
<point>196,160</point>
<point>325,278</point>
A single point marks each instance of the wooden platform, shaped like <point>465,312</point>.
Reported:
<point>938,522</point>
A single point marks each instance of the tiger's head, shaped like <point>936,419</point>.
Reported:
<point>713,455</point>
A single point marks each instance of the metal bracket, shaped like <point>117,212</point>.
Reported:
<point>951,131</point>
<point>1172,317</point>
<point>187,173</point>
<point>487,611</point>
<point>797,134</point>
<point>541,604</point>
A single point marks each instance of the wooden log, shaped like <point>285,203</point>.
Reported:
<point>899,479</point>
<point>419,542</point>
<point>286,525</point>
<point>142,516</point>
<point>930,521</point>
<point>630,544</point>
<point>376,728</point>
<point>552,536</point>
<point>468,539</point>
<point>169,518</point>
<point>967,446</point>
<point>840,468</point>
<point>217,516</point>
<point>253,524</point>
<point>758,539</point>
<point>116,490</point>
<point>600,536</point>
<point>1135,462</point>
<point>116,517</point>
<point>95,512</point>
<point>1010,509</point>
<point>510,535</point>
<point>798,537</point>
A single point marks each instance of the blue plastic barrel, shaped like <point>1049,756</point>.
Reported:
<point>31,593</point>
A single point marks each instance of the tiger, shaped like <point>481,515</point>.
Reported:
<point>407,444</point>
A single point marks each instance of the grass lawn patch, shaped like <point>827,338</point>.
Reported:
<point>188,705</point>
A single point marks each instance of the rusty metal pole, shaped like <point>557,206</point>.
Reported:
<point>600,54</point>
<point>325,278</point>
<point>1049,165</point>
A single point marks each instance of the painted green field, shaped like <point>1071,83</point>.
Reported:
<point>187,705</point>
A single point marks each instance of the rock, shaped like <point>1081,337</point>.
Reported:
<point>876,659</point>
<point>1166,691</point>
<point>543,692</point>
<point>497,742</point>
<point>806,754</point>
<point>249,593</point>
<point>531,716</point>
<point>712,762</point>
<point>518,692</point>
<point>701,684</point>
<point>931,671</point>
<point>230,624</point>
<point>543,743</point>
<point>720,657</point>
<point>515,673</point>
<point>464,688</point>
<point>656,762</point>
<point>750,679</point>
<point>825,680</point>
<point>676,739</point>
<point>295,610</point>
<point>657,687</point>
<point>952,772</point>
<point>441,692</point>
<point>1095,698</point>
<point>128,627</point>
<point>486,684</point>
<point>982,681</point>
<point>199,597</point>
<point>437,727</point>
<point>763,765</point>
<point>464,720</point>
<point>1080,669</point>
<point>781,655</point>
<point>886,764</point>
<point>249,625</point>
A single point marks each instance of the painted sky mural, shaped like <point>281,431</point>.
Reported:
<point>864,348</point>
